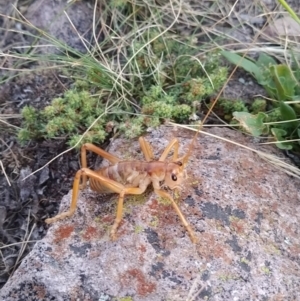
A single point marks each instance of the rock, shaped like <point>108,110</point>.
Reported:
<point>68,23</point>
<point>285,28</point>
<point>244,211</point>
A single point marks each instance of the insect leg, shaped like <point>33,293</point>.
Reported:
<point>125,190</point>
<point>146,149</point>
<point>110,184</point>
<point>178,211</point>
<point>114,186</point>
<point>98,151</point>
<point>173,143</point>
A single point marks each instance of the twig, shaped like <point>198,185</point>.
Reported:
<point>6,177</point>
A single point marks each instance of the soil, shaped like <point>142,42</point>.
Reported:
<point>24,204</point>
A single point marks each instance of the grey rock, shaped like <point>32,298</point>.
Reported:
<point>57,18</point>
<point>245,213</point>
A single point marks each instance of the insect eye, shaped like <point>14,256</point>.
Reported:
<point>174,178</point>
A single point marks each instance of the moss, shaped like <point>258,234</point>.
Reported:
<point>266,270</point>
<point>125,299</point>
<point>258,105</point>
<point>244,260</point>
<point>138,229</point>
<point>164,201</point>
<point>65,117</point>
<point>134,200</point>
<point>154,222</point>
<point>274,115</point>
<point>226,107</point>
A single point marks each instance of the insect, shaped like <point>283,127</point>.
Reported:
<point>132,177</point>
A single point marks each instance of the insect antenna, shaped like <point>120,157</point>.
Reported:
<point>192,144</point>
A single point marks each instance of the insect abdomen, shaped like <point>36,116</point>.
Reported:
<point>129,173</point>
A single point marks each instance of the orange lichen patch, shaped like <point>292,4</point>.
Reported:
<point>40,291</point>
<point>108,219</point>
<point>243,206</point>
<point>160,209</point>
<point>154,205</point>
<point>94,254</point>
<point>90,233</point>
<point>164,217</point>
<point>274,206</point>
<point>210,248</point>
<point>259,191</point>
<point>136,277</point>
<point>294,251</point>
<point>237,225</point>
<point>63,232</point>
<point>142,250</point>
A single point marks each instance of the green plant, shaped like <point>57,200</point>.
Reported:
<point>258,105</point>
<point>65,117</point>
<point>69,116</point>
<point>225,108</point>
<point>154,75</point>
<point>282,84</point>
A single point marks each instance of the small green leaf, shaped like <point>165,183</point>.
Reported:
<point>265,61</point>
<point>279,135</point>
<point>296,66</point>
<point>288,113</point>
<point>284,81</point>
<point>253,124</point>
<point>246,64</point>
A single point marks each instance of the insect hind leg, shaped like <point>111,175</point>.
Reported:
<point>84,172</point>
<point>100,152</point>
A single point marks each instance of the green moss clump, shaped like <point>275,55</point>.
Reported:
<point>274,115</point>
<point>125,299</point>
<point>160,104</point>
<point>258,105</point>
<point>67,117</point>
<point>225,108</point>
<point>132,127</point>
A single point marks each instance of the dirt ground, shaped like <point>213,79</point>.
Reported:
<point>25,204</point>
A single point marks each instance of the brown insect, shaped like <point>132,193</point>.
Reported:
<point>132,177</point>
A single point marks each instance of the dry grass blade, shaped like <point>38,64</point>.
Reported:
<point>195,291</point>
<point>272,159</point>
<point>17,243</point>
<point>4,117</point>
<point>6,177</point>
<point>24,242</point>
